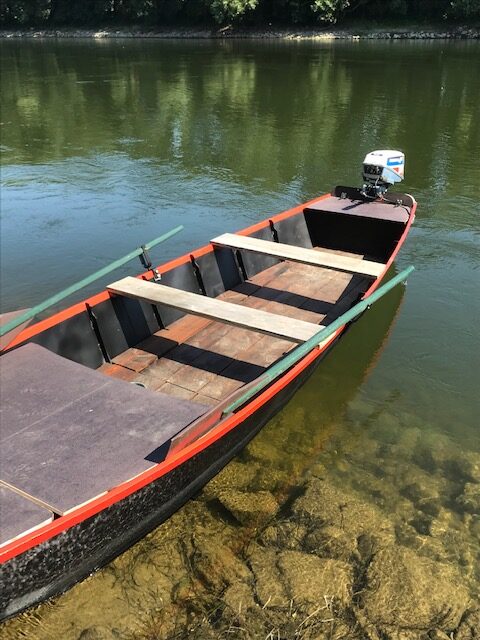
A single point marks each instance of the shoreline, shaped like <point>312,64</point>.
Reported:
<point>307,34</point>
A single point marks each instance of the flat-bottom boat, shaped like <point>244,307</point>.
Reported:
<point>215,342</point>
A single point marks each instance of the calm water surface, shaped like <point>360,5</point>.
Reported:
<point>106,145</point>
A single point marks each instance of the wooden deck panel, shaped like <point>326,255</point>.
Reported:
<point>300,254</point>
<point>373,209</point>
<point>19,514</point>
<point>51,423</point>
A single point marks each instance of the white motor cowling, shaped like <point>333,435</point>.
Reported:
<point>381,169</point>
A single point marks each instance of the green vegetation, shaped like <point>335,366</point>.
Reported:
<point>221,12</point>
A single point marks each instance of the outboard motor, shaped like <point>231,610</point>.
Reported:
<point>381,169</point>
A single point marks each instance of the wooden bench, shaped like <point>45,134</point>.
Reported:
<point>241,316</point>
<point>299,254</point>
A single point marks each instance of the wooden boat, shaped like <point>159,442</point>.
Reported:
<point>217,341</point>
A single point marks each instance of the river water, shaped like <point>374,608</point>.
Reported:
<point>106,145</point>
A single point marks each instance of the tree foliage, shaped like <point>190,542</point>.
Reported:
<point>329,10</point>
<point>466,8</point>
<point>223,10</point>
<point>254,12</point>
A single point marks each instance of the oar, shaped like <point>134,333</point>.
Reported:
<point>42,306</point>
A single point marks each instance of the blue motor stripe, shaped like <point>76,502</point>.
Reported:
<point>394,162</point>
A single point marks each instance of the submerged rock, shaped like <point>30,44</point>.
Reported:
<point>285,535</point>
<point>265,451</point>
<point>409,436</point>
<point>331,542</point>
<point>268,580</point>
<point>469,500</point>
<point>425,496</point>
<point>235,475</point>
<point>249,508</point>
<point>466,465</point>
<point>442,524</point>
<point>97,633</point>
<point>316,581</point>
<point>405,635</point>
<point>217,565</point>
<point>471,466</point>
<point>271,479</point>
<point>239,598</point>
<point>158,564</point>
<point>408,591</point>
<point>438,635</point>
<point>324,504</point>
<point>469,628</point>
<point>474,525</point>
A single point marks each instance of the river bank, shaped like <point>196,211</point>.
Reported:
<point>363,32</point>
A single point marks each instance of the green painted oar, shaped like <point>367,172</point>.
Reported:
<point>301,351</point>
<point>28,315</point>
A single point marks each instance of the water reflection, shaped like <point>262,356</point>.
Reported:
<point>270,111</point>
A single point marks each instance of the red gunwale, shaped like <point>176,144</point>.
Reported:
<point>91,508</point>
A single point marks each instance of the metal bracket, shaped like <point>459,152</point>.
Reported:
<point>240,264</point>
<point>96,330</point>
<point>147,263</point>
<point>198,274</point>
<point>273,230</point>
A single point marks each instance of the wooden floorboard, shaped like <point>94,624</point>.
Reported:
<point>203,360</point>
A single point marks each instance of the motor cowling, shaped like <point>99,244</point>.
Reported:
<point>381,169</point>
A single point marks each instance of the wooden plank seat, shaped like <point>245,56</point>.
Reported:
<point>300,254</point>
<point>241,316</point>
<point>70,433</point>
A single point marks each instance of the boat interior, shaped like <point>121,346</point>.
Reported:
<point>73,427</point>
